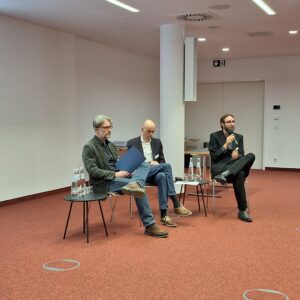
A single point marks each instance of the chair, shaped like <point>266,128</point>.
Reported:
<point>214,183</point>
<point>113,204</point>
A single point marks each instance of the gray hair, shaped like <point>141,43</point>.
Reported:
<point>99,120</point>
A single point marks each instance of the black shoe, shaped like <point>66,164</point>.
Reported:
<point>221,178</point>
<point>243,215</point>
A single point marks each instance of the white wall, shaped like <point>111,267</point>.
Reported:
<point>282,77</point>
<point>52,85</point>
<point>115,82</point>
<point>37,108</point>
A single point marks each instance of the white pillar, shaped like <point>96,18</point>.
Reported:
<point>172,116</point>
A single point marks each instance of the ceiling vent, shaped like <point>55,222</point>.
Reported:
<point>198,17</point>
<point>260,33</point>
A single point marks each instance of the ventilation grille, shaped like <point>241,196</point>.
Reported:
<point>261,33</point>
<point>198,17</point>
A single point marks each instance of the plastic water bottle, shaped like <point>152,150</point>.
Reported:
<point>191,169</point>
<point>77,175</point>
<point>81,176</point>
<point>198,174</point>
<point>74,190</point>
<point>82,181</point>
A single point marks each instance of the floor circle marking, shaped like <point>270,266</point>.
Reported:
<point>264,291</point>
<point>47,267</point>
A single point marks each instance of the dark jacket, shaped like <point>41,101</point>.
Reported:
<point>219,156</point>
<point>156,147</point>
<point>96,164</point>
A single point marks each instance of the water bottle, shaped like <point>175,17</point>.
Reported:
<point>82,181</point>
<point>77,175</point>
<point>81,176</point>
<point>191,170</point>
<point>74,190</point>
<point>198,174</point>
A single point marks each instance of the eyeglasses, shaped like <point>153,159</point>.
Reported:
<point>106,127</point>
<point>228,122</point>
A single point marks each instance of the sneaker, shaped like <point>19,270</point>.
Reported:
<point>134,189</point>
<point>243,215</point>
<point>182,211</point>
<point>167,221</point>
<point>155,231</point>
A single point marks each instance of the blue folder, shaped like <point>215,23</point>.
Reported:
<point>131,160</point>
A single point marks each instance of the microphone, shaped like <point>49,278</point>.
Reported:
<point>230,131</point>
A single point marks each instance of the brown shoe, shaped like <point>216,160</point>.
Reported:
<point>155,231</point>
<point>182,211</point>
<point>134,189</point>
<point>167,221</point>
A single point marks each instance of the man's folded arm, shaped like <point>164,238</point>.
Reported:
<point>89,161</point>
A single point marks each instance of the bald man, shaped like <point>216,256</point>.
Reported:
<point>160,173</point>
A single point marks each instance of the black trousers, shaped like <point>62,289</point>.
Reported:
<point>238,171</point>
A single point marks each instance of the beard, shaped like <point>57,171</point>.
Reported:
<point>229,129</point>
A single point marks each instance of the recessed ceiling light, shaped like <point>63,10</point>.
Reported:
<point>123,5</point>
<point>293,31</point>
<point>265,7</point>
<point>202,39</point>
<point>225,49</point>
<point>220,6</point>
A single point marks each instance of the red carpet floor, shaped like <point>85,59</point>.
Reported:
<point>218,257</point>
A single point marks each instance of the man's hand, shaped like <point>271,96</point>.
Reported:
<point>154,163</point>
<point>122,174</point>
<point>229,140</point>
<point>235,155</point>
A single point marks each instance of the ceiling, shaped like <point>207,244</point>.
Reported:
<point>103,22</point>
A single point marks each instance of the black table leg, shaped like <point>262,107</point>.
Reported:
<point>198,197</point>
<point>203,201</point>
<point>68,219</point>
<point>180,192</point>
<point>103,218</point>
<point>87,220</point>
<point>184,195</point>
<point>83,217</point>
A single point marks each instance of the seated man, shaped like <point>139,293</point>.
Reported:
<point>160,173</point>
<point>100,156</point>
<point>228,162</point>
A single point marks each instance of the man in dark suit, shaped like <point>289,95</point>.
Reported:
<point>99,156</point>
<point>160,173</point>
<point>228,162</point>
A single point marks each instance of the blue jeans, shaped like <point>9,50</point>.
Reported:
<point>142,204</point>
<point>162,176</point>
